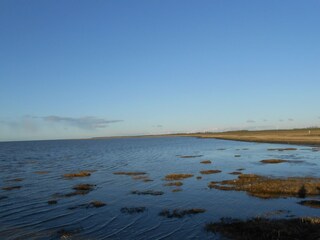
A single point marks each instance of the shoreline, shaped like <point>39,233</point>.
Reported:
<point>310,137</point>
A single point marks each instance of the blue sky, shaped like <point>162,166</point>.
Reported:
<point>73,69</point>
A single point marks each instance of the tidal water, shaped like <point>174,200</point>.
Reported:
<point>26,214</point>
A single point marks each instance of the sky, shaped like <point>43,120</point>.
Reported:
<point>79,69</point>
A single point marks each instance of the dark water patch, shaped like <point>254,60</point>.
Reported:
<point>210,171</point>
<point>3,197</point>
<point>310,203</point>
<point>9,188</point>
<point>237,155</point>
<point>177,176</point>
<point>133,210</point>
<point>52,202</point>
<point>235,173</point>
<point>266,229</point>
<point>15,180</point>
<point>41,172</point>
<point>147,192</point>
<point>180,213</point>
<point>198,177</point>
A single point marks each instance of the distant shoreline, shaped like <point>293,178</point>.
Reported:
<point>308,136</point>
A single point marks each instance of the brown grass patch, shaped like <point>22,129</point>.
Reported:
<point>311,203</point>
<point>177,184</point>
<point>84,187</point>
<point>265,187</point>
<point>265,229</point>
<point>177,176</point>
<point>205,162</point>
<point>179,213</point>
<point>210,171</point>
<point>273,161</point>
<point>78,174</point>
<point>130,173</point>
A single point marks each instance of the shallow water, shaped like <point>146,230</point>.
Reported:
<point>25,213</point>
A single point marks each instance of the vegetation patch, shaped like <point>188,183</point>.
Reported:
<point>15,180</point>
<point>78,174</point>
<point>210,171</point>
<point>9,188</point>
<point>177,176</point>
<point>205,162</point>
<point>199,177</point>
<point>180,213</point>
<point>235,173</point>
<point>178,184</point>
<point>265,229</point>
<point>147,192</point>
<point>67,234</point>
<point>176,190</point>
<point>133,210</point>
<point>93,204</point>
<point>130,173</point>
<point>311,203</point>
<point>282,149</point>
<point>190,156</point>
<point>273,161</point>
<point>266,187</point>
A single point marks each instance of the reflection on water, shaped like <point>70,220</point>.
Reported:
<point>38,202</point>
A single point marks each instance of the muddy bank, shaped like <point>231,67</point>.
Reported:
<point>266,187</point>
<point>265,229</point>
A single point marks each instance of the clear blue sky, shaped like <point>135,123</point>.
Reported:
<point>71,69</point>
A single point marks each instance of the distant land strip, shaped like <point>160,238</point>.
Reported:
<point>306,136</point>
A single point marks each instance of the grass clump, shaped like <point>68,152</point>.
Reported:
<point>177,184</point>
<point>147,192</point>
<point>177,176</point>
<point>78,174</point>
<point>266,187</point>
<point>205,162</point>
<point>265,229</point>
<point>210,171</point>
<point>190,156</point>
<point>133,210</point>
<point>180,213</point>
<point>130,173</point>
<point>311,203</point>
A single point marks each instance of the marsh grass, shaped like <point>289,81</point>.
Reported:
<point>265,229</point>
<point>177,176</point>
<point>210,171</point>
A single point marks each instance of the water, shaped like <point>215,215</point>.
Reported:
<point>25,213</point>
